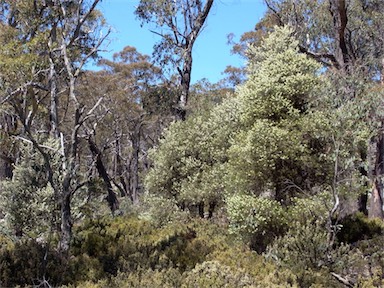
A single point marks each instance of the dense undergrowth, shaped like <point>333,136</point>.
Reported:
<point>129,251</point>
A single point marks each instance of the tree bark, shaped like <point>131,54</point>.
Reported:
<point>66,222</point>
<point>111,198</point>
<point>52,81</point>
<point>185,24</point>
<point>186,71</point>
<point>376,201</point>
<point>135,138</point>
<point>376,157</point>
<point>338,11</point>
<point>5,167</point>
<point>185,84</point>
<point>8,126</point>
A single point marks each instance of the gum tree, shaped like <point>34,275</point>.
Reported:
<point>179,24</point>
<point>48,43</point>
<point>346,37</point>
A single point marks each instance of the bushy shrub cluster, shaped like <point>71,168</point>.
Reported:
<point>132,252</point>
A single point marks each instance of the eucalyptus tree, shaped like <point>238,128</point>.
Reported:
<point>47,45</point>
<point>346,37</point>
<point>179,24</point>
<point>124,127</point>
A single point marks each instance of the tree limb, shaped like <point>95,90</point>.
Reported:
<point>343,280</point>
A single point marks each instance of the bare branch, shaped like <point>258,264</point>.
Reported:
<point>343,280</point>
<point>81,21</point>
<point>319,57</point>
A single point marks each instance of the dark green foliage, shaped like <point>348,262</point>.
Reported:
<point>127,244</point>
<point>358,227</point>
<point>130,252</point>
<point>373,251</point>
<point>24,264</point>
<point>177,254</point>
<point>160,100</point>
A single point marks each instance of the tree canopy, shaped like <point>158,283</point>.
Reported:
<point>129,175</point>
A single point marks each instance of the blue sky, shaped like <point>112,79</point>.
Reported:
<point>211,52</point>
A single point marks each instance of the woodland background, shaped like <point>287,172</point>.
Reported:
<point>131,176</point>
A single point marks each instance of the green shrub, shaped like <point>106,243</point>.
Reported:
<point>358,227</point>
<point>215,274</point>
<point>127,244</point>
<point>257,220</point>
<point>160,210</point>
<point>149,278</point>
<point>373,252</point>
<point>23,264</point>
<point>264,272</point>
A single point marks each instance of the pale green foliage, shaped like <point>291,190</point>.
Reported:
<point>28,199</point>
<point>257,220</point>
<point>255,152</point>
<point>336,124</point>
<point>280,79</point>
<point>215,274</point>
<point>190,162</point>
<point>166,278</point>
<point>305,250</point>
<point>19,60</point>
<point>272,103</point>
<point>160,210</point>
<point>253,130</point>
<point>304,211</point>
<point>250,215</point>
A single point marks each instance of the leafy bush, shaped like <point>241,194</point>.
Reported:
<point>149,278</point>
<point>262,271</point>
<point>29,262</point>
<point>160,210</point>
<point>304,250</point>
<point>127,243</point>
<point>358,227</point>
<point>257,220</point>
<point>373,253</point>
<point>28,198</point>
<point>215,274</point>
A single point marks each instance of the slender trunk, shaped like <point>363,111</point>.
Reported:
<point>53,114</point>
<point>118,170</point>
<point>6,171</point>
<point>185,85</point>
<point>201,209</point>
<point>8,125</point>
<point>123,184</point>
<point>111,198</point>
<point>66,220</point>
<point>338,10</point>
<point>52,81</point>
<point>211,209</point>
<point>135,138</point>
<point>375,201</point>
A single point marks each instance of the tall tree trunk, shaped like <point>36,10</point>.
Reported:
<point>8,126</point>
<point>338,10</point>
<point>118,171</point>
<point>5,167</point>
<point>135,138</point>
<point>66,221</point>
<point>111,198</point>
<point>376,157</point>
<point>53,111</point>
<point>52,81</point>
<point>185,75</point>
